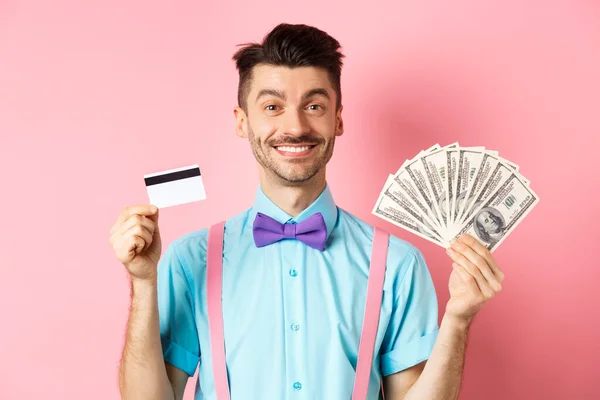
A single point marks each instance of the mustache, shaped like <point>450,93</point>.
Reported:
<point>291,140</point>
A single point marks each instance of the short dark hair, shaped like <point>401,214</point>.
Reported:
<point>291,46</point>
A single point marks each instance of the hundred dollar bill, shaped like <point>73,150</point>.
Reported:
<point>420,154</point>
<point>487,168</point>
<point>410,188</point>
<point>435,165</point>
<point>389,210</point>
<point>415,169</point>
<point>511,164</point>
<point>498,176</point>
<point>416,172</point>
<point>515,167</point>
<point>393,190</point>
<point>451,171</point>
<point>499,215</point>
<point>469,161</point>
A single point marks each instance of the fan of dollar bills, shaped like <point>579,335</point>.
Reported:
<point>446,191</point>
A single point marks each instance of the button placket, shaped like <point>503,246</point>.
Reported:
<point>294,289</point>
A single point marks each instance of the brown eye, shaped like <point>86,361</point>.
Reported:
<point>271,107</point>
<point>314,107</point>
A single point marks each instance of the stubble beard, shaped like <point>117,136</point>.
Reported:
<point>287,171</point>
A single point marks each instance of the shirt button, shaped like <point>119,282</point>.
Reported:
<point>295,327</point>
<point>297,386</point>
<point>293,273</point>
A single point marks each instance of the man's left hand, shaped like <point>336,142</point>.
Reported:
<point>476,278</point>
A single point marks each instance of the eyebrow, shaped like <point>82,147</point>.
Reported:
<point>271,92</point>
<point>316,92</point>
<point>282,96</point>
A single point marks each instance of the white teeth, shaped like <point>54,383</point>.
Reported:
<point>293,149</point>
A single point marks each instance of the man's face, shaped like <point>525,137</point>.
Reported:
<point>291,121</point>
<point>489,221</point>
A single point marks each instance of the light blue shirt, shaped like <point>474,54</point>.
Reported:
<point>292,314</point>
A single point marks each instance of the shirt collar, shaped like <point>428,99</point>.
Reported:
<point>323,204</point>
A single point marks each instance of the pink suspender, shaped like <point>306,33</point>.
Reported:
<point>214,281</point>
<point>371,318</point>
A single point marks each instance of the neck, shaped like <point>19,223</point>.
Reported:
<point>293,198</point>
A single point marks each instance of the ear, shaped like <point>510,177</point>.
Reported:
<point>241,122</point>
<point>339,122</point>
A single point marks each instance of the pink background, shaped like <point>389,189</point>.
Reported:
<point>95,94</point>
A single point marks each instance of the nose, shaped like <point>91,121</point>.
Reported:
<point>295,123</point>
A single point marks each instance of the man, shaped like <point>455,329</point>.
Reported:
<point>292,312</point>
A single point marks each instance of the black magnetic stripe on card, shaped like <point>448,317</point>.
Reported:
<point>173,176</point>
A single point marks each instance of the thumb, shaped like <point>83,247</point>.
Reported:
<point>155,247</point>
<point>154,217</point>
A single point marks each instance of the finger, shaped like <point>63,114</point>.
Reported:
<point>154,218</point>
<point>136,244</point>
<point>140,209</point>
<point>478,261</point>
<point>482,283</point>
<point>483,252</point>
<point>136,219</point>
<point>468,280</point>
<point>142,232</point>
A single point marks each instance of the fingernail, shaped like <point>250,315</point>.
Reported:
<point>453,241</point>
<point>153,208</point>
<point>449,251</point>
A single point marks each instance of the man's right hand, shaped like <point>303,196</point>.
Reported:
<point>135,239</point>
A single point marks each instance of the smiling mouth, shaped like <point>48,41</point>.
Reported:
<point>294,149</point>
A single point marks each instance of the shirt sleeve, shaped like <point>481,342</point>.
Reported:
<point>178,332</point>
<point>413,325</point>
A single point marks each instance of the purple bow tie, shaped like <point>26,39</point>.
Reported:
<point>312,231</point>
